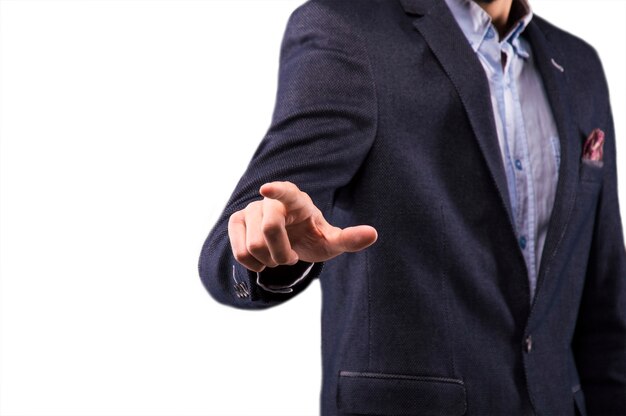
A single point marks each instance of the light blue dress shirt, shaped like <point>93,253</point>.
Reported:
<point>527,132</point>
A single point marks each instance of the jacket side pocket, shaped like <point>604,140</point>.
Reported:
<point>368,393</point>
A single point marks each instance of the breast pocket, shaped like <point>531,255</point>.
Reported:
<point>591,171</point>
<point>589,189</point>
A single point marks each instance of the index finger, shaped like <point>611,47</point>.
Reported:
<point>285,192</point>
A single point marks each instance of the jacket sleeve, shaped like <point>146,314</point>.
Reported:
<point>323,125</point>
<point>600,339</point>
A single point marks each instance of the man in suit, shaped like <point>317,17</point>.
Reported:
<point>446,169</point>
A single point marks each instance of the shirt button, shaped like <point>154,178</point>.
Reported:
<point>522,242</point>
<point>490,33</point>
<point>518,164</point>
<point>528,344</point>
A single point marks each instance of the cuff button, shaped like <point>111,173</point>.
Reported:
<point>241,290</point>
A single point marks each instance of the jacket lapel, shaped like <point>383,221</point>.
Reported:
<point>447,42</point>
<point>548,62</point>
<point>437,26</point>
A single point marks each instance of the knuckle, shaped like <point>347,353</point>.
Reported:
<point>292,186</point>
<point>234,217</point>
<point>271,228</point>
<point>280,258</point>
<point>255,246</point>
<point>252,206</point>
<point>273,207</point>
<point>241,256</point>
<point>307,198</point>
<point>255,266</point>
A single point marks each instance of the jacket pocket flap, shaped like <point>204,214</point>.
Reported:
<point>399,394</point>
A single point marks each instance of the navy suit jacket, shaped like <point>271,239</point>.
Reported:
<point>383,116</point>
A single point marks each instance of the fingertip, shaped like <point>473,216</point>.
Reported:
<point>356,238</point>
<point>369,234</point>
<point>294,259</point>
<point>256,269</point>
<point>375,234</point>
<point>369,237</point>
<point>273,190</point>
<point>266,189</point>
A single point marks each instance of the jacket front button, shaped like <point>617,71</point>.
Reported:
<point>528,344</point>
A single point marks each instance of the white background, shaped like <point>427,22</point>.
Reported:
<point>124,127</point>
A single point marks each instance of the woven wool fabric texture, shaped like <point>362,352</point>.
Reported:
<point>383,116</point>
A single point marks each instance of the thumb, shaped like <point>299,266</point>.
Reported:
<point>352,239</point>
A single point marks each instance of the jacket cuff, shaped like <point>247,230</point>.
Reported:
<point>275,281</point>
<point>282,281</point>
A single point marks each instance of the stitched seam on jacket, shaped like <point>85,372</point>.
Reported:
<point>445,288</point>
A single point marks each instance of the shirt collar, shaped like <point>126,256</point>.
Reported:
<point>476,23</point>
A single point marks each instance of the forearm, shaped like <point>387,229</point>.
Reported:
<point>323,126</point>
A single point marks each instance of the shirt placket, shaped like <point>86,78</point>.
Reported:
<point>523,174</point>
<point>515,144</point>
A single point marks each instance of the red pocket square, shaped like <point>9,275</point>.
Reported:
<point>593,149</point>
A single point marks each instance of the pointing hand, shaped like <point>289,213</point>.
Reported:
<point>285,226</point>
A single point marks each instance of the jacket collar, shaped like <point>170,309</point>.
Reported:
<point>476,23</point>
